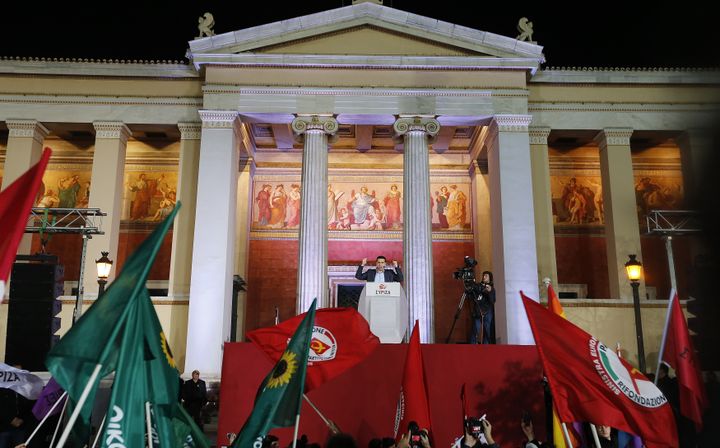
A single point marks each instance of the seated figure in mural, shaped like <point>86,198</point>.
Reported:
<point>49,200</point>
<point>372,221</point>
<point>68,188</point>
<point>362,202</point>
<point>166,206</point>
<point>343,220</point>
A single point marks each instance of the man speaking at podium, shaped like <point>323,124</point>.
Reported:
<point>379,274</point>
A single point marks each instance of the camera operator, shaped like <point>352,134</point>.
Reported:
<point>483,311</point>
<point>473,429</point>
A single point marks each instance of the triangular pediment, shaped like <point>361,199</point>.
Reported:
<point>365,29</point>
<point>368,40</point>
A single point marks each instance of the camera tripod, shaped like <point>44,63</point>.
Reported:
<point>457,315</point>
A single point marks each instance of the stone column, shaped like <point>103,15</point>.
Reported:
<point>513,226</point>
<point>622,230</point>
<point>184,226</point>
<point>24,148</point>
<point>481,214</point>
<point>210,311</point>
<point>542,200</point>
<point>243,217</point>
<point>695,147</point>
<point>417,134</point>
<point>312,262</point>
<point>106,193</point>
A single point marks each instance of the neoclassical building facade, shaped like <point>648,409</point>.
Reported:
<point>300,147</point>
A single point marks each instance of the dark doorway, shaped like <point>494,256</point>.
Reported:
<point>348,296</point>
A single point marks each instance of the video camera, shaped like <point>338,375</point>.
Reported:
<point>416,434</point>
<point>467,272</point>
<point>474,426</point>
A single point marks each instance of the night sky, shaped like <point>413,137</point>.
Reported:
<point>589,34</point>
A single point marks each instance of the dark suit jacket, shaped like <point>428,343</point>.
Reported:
<point>369,275</point>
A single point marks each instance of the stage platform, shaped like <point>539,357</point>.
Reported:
<point>501,381</point>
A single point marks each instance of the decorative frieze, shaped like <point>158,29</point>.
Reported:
<point>190,131</point>
<point>218,119</point>
<point>27,128</point>
<point>511,123</point>
<point>614,137</point>
<point>112,130</point>
<point>539,135</point>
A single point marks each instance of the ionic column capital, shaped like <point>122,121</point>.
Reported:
<point>190,131</point>
<point>302,124</point>
<point>427,125</point>
<point>539,135</point>
<point>112,130</point>
<point>218,119</point>
<point>27,128</point>
<point>510,123</point>
<point>613,137</point>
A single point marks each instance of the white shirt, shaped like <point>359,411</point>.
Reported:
<point>380,277</point>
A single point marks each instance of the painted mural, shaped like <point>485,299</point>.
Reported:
<point>365,206</point>
<point>577,200</point>
<point>654,192</point>
<point>149,196</point>
<point>64,189</point>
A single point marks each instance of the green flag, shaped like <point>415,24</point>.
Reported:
<point>96,337</point>
<point>187,433</point>
<point>280,397</point>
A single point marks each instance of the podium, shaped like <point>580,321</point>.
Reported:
<point>385,308</point>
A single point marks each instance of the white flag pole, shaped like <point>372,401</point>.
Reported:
<point>60,419</point>
<point>312,405</point>
<point>593,429</point>
<point>567,435</point>
<point>664,335</point>
<point>297,426</point>
<point>100,431</point>
<point>148,422</point>
<point>78,407</point>
<point>44,419</point>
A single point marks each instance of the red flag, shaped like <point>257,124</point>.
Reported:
<point>590,383</point>
<point>413,401</point>
<point>15,203</point>
<point>680,355</point>
<point>341,338</point>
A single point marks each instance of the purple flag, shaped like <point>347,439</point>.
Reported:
<point>50,394</point>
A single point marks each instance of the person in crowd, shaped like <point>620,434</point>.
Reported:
<point>379,274</point>
<point>341,441</point>
<point>16,418</point>
<point>526,425</point>
<point>471,439</point>
<point>195,397</point>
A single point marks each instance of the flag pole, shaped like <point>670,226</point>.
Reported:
<point>297,426</point>
<point>593,430</point>
<point>60,419</point>
<point>44,419</point>
<point>148,423</point>
<point>664,335</point>
<point>312,405</point>
<point>78,407</point>
<point>566,434</point>
<point>99,433</point>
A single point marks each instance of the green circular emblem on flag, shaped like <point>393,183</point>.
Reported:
<point>622,378</point>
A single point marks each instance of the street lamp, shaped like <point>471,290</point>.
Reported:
<point>104,265</point>
<point>633,268</point>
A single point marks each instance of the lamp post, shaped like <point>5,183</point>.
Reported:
<point>104,265</point>
<point>633,268</point>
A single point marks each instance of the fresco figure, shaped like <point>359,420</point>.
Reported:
<point>392,207</point>
<point>361,203</point>
<point>144,190</point>
<point>263,201</point>
<point>333,198</point>
<point>278,203</point>
<point>456,208</point>
<point>441,202</point>
<point>293,206</point>
<point>68,188</point>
